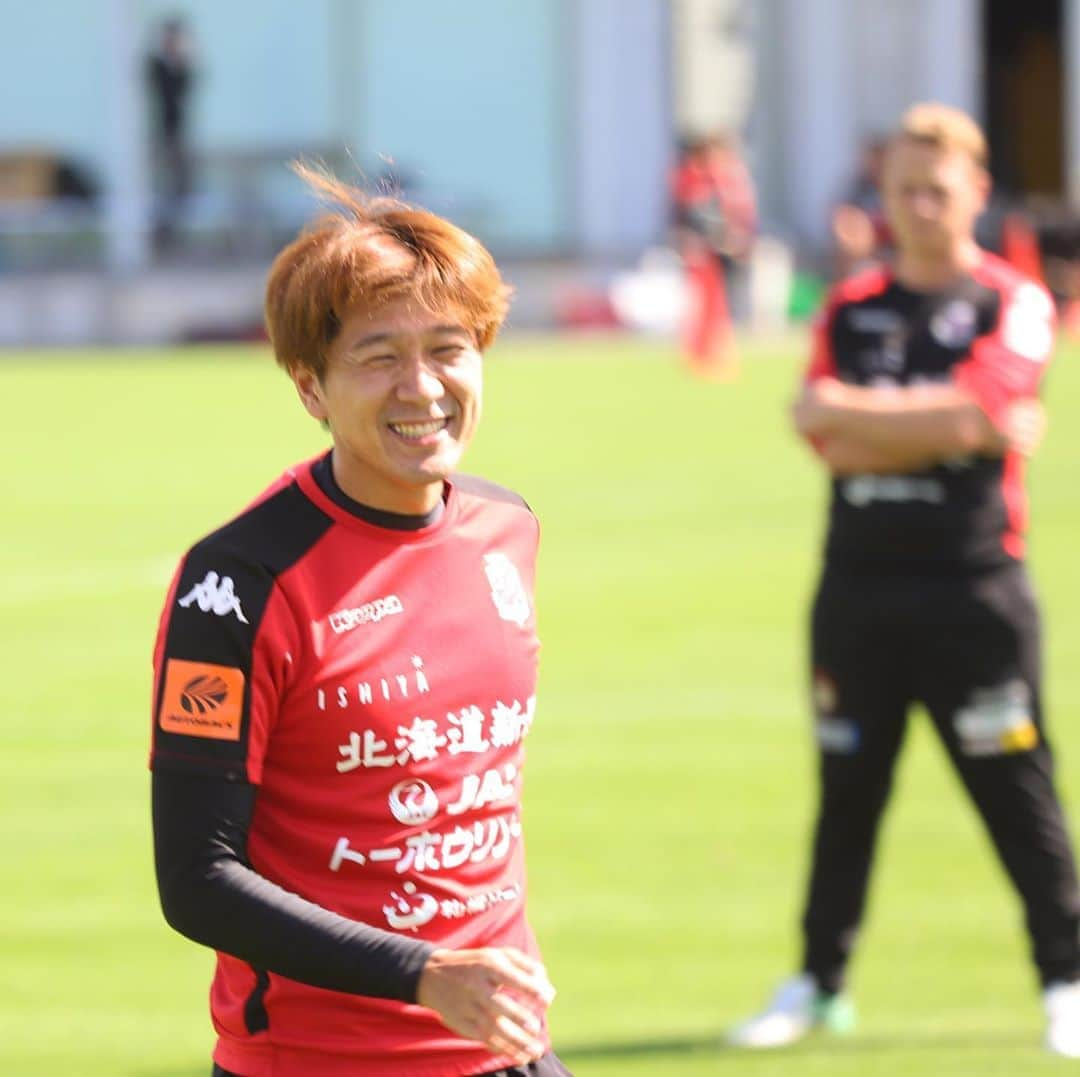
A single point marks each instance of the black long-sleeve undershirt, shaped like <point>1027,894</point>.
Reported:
<point>210,893</point>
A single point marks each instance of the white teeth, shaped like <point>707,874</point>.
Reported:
<point>418,430</point>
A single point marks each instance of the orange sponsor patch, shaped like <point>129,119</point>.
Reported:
<point>202,700</point>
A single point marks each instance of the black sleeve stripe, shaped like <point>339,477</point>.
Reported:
<point>200,724</point>
<point>478,487</point>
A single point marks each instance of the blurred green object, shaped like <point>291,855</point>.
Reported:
<point>807,294</point>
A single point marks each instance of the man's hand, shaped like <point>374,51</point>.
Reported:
<point>1025,426</point>
<point>853,231</point>
<point>494,996</point>
<point>811,411</point>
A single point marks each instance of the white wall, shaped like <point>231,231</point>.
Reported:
<point>833,72</point>
<point>1071,48</point>
<point>624,127</point>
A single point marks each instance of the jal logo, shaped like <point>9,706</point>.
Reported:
<point>413,802</point>
<point>215,594</point>
<point>507,590</point>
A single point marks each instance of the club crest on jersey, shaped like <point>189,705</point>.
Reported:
<point>507,590</point>
<point>954,325</point>
<point>215,594</point>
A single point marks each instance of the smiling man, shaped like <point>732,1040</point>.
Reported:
<point>344,677</point>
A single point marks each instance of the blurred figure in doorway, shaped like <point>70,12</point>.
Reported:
<point>170,75</point>
<point>715,217</point>
<point>859,230</point>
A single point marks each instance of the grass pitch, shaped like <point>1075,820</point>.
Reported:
<point>670,780</point>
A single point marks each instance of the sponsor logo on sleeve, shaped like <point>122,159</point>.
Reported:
<point>202,700</point>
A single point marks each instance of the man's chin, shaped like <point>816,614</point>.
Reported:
<point>435,470</point>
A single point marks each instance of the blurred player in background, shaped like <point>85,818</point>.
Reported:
<point>170,74</point>
<point>859,229</point>
<point>715,213</point>
<point>921,403</point>
<point>344,676</point>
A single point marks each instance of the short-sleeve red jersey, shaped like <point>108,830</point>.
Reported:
<point>376,685</point>
<point>991,333</point>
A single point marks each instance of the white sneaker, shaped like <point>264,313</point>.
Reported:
<point>786,1019</point>
<point>1062,1004</point>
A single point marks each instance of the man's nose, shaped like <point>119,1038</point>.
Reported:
<point>925,205</point>
<point>419,379</point>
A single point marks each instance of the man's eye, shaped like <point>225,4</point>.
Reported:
<point>381,359</point>
<point>447,351</point>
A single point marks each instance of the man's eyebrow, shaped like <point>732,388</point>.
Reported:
<point>382,338</point>
<point>372,338</point>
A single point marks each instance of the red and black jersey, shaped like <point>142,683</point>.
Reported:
<point>714,198</point>
<point>376,685</point>
<point>990,333</point>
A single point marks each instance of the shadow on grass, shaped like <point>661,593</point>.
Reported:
<point>877,1044</point>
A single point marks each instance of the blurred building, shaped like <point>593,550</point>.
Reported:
<point>545,126</point>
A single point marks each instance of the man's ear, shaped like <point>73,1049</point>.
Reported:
<point>310,391</point>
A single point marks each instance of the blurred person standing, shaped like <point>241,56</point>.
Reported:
<point>921,402</point>
<point>170,77</point>
<point>715,217</point>
<point>860,231</point>
<point>344,677</point>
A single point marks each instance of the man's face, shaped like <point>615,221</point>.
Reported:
<point>932,196</point>
<point>401,394</point>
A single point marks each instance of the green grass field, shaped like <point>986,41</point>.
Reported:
<point>670,783</point>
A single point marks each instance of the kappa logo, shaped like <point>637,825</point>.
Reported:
<point>507,590</point>
<point>202,700</point>
<point>368,613</point>
<point>216,594</point>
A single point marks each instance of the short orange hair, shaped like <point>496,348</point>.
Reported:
<point>945,127</point>
<point>369,251</point>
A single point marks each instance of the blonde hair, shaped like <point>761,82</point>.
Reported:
<point>947,128</point>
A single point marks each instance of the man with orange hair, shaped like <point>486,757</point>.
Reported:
<point>921,402</point>
<point>344,677</point>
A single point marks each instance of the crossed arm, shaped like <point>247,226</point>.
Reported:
<point>861,429</point>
